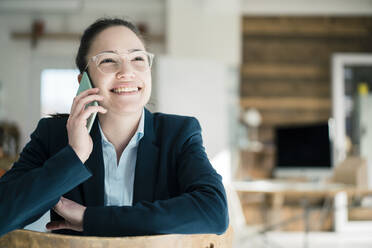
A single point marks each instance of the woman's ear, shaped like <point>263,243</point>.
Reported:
<point>79,77</point>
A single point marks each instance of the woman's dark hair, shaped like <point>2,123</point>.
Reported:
<point>93,30</point>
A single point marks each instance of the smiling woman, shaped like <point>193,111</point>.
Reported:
<point>135,173</point>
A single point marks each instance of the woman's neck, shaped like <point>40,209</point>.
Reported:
<point>119,129</point>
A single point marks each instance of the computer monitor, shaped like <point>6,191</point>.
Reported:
<point>303,150</point>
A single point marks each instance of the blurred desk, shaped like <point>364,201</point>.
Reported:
<point>289,187</point>
<point>314,205</point>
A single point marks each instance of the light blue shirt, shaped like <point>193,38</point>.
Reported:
<point>119,178</point>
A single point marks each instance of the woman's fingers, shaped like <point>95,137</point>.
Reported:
<point>62,224</point>
<point>80,104</point>
<point>72,213</point>
<point>82,95</point>
<point>82,118</point>
<point>91,109</point>
<point>57,225</point>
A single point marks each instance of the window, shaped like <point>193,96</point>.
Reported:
<point>58,88</point>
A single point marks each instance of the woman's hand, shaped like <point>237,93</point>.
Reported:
<point>78,136</point>
<point>73,214</point>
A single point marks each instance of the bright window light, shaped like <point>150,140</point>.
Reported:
<point>58,88</point>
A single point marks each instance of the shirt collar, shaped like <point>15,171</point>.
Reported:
<point>141,126</point>
<point>140,132</point>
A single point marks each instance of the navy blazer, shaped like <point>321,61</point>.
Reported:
<point>176,190</point>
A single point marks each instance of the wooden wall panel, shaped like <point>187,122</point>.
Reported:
<point>289,117</point>
<point>283,70</point>
<point>281,88</point>
<point>308,26</point>
<point>286,65</point>
<point>299,50</point>
<point>286,103</point>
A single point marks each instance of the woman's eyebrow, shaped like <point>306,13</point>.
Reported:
<point>109,51</point>
<point>134,50</point>
<point>129,51</point>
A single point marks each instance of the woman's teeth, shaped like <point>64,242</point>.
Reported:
<point>126,89</point>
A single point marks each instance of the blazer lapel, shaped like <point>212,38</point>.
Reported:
<point>147,163</point>
<point>93,188</point>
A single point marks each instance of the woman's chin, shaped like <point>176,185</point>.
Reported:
<point>128,108</point>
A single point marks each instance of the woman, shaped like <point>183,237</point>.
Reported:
<point>135,173</point>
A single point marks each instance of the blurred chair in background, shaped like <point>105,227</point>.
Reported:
<point>9,145</point>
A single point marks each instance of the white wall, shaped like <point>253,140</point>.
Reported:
<point>204,29</point>
<point>185,87</point>
<point>201,76</point>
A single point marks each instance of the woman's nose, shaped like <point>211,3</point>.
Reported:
<point>125,70</point>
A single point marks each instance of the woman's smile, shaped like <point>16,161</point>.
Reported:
<point>126,90</point>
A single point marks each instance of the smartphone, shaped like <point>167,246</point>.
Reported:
<point>85,84</point>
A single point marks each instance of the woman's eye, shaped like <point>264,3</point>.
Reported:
<point>107,61</point>
<point>138,59</point>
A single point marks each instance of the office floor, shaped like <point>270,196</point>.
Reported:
<point>313,240</point>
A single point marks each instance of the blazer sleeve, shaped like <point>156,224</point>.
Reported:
<point>200,208</point>
<point>37,180</point>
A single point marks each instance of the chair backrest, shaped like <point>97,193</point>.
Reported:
<point>31,239</point>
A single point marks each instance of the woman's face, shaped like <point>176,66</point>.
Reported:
<point>119,89</point>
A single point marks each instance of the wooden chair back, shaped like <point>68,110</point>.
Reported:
<point>31,239</point>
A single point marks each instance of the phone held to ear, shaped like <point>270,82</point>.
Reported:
<point>85,84</point>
